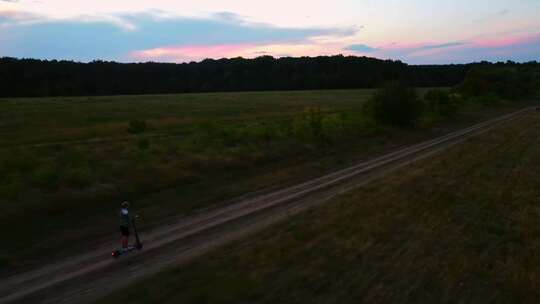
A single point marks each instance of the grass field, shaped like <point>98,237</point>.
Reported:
<point>55,193</point>
<point>39,120</point>
<point>459,227</point>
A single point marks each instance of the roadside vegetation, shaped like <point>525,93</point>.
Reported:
<point>461,226</point>
<point>172,154</point>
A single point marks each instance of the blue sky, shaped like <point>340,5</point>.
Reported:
<point>414,31</point>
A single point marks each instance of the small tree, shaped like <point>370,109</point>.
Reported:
<point>395,104</point>
<point>310,124</point>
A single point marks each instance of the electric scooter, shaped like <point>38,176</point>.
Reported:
<point>137,246</point>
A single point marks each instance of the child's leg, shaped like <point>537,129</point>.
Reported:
<point>124,242</point>
<point>125,237</point>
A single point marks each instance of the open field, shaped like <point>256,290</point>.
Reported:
<point>209,148</point>
<point>58,194</point>
<point>92,275</point>
<point>41,120</point>
<point>220,136</point>
<point>461,226</point>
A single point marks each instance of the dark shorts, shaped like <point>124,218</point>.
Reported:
<point>124,230</point>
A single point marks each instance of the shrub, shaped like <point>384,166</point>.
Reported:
<point>309,124</point>
<point>143,144</point>
<point>395,104</point>
<point>46,176</point>
<point>11,188</point>
<point>71,157</point>
<point>267,132</point>
<point>20,161</point>
<point>137,127</point>
<point>205,133</point>
<point>441,102</point>
<point>314,118</point>
<point>488,99</point>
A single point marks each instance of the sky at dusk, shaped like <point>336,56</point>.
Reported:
<point>414,31</point>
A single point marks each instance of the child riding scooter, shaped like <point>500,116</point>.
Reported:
<point>127,221</point>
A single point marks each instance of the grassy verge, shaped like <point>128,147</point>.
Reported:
<point>458,227</point>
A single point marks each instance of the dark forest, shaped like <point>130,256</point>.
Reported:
<point>38,78</point>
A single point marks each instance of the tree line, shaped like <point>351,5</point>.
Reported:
<point>398,104</point>
<point>38,78</point>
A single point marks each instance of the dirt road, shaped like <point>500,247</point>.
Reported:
<point>85,278</point>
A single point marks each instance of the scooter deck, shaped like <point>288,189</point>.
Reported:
<point>120,252</point>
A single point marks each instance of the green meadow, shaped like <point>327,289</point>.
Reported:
<point>66,163</point>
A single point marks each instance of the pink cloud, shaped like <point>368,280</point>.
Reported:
<point>506,41</point>
<point>191,52</point>
<point>400,46</point>
<point>506,47</point>
<point>425,52</point>
<point>198,52</point>
<point>493,48</point>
